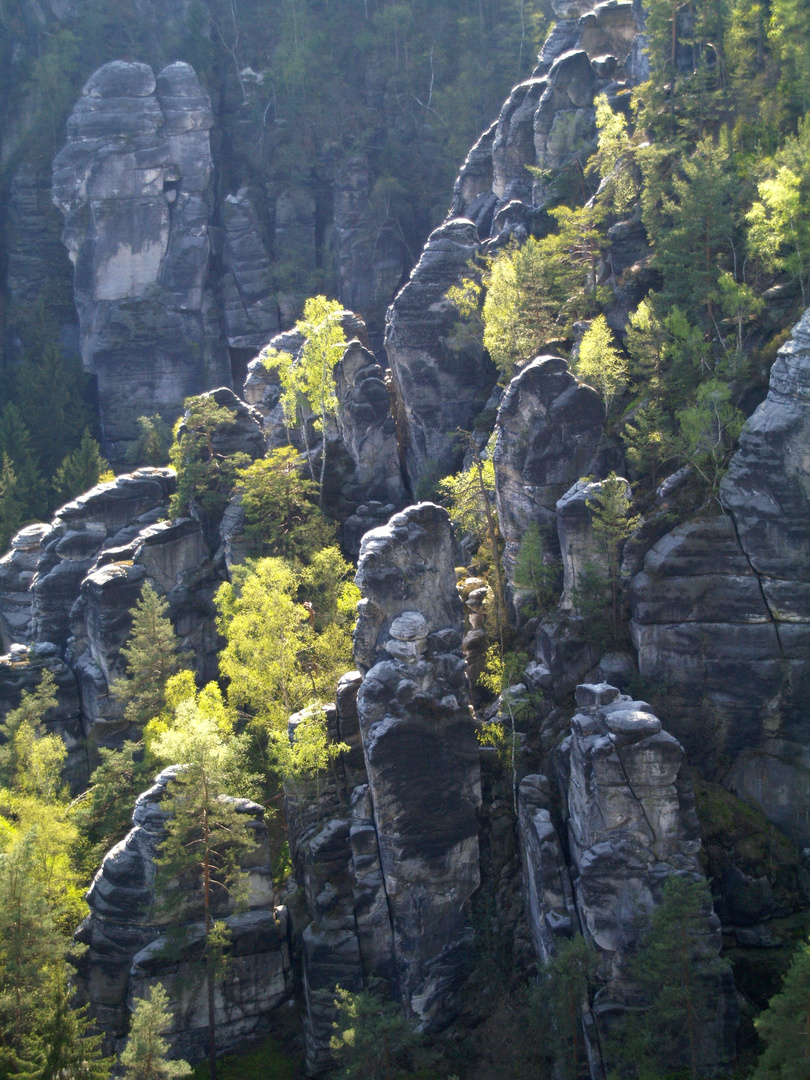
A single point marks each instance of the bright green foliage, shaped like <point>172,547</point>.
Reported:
<point>461,493</point>
<point>784,1026</point>
<point>534,573</point>
<point>779,222</point>
<point>281,513</point>
<point>30,760</point>
<point>144,1056</point>
<point>613,159</point>
<point>277,661</point>
<point>310,751</point>
<point>709,430</point>
<point>613,522</point>
<point>373,1039</point>
<point>205,477</point>
<point>600,363</point>
<point>788,34</point>
<point>676,967</point>
<point>649,441</point>
<point>152,653</point>
<point>309,378</point>
<point>81,470</point>
<point>206,836</point>
<point>153,442</point>
<point>328,591</point>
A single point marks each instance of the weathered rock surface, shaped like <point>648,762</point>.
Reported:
<point>418,740</point>
<point>547,121</point>
<point>248,297</point>
<point>549,428</point>
<point>370,261</point>
<point>17,569</point>
<point>366,427</point>
<point>133,182</point>
<point>126,930</point>
<point>721,609</point>
<point>630,816</point>
<point>441,382</point>
<point>386,848</point>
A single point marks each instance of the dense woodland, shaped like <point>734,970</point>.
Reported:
<point>712,157</point>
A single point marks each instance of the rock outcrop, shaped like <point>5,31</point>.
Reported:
<point>441,380</point>
<point>721,610</point>
<point>549,428</point>
<point>125,934</point>
<point>134,184</point>
<point>386,849</point>
<point>629,812</point>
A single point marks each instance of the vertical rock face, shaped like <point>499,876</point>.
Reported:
<point>721,610</point>
<point>370,261</point>
<point>125,934</point>
<point>549,428</point>
<point>547,122</point>
<point>133,182</point>
<point>418,740</point>
<point>17,569</point>
<point>441,383</point>
<point>386,850</point>
<point>631,823</point>
<point>251,313</point>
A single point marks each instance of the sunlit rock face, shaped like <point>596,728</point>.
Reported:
<point>134,184</point>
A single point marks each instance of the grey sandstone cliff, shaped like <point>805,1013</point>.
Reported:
<point>134,184</point>
<point>386,850</point>
<point>628,812</point>
<point>721,609</point>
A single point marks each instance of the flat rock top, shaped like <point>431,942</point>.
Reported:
<point>632,722</point>
<point>121,78</point>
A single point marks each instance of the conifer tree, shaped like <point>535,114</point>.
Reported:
<point>153,442</point>
<point>784,1026</point>
<point>144,1056</point>
<point>61,1046</point>
<point>11,507</point>
<point>15,440</point>
<point>152,654</point>
<point>205,477</point>
<point>206,836</point>
<point>81,469</point>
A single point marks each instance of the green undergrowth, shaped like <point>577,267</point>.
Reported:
<point>266,1062</point>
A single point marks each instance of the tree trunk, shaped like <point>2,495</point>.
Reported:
<point>209,972</point>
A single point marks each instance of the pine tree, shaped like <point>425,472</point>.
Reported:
<point>784,1026</point>
<point>61,1047</point>
<point>205,477</point>
<point>206,836</point>
<point>152,654</point>
<point>373,1039</point>
<point>613,524</point>
<point>81,469</point>
<point>153,442</point>
<point>144,1056</point>
<point>600,363</point>
<point>15,440</point>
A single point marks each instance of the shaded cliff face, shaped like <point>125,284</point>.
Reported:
<point>720,610</point>
<point>386,850</point>
<point>134,184</point>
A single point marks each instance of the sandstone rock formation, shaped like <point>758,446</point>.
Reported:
<point>629,813</point>
<point>125,938</point>
<point>721,609</point>
<point>549,428</point>
<point>386,849</point>
<point>441,382</point>
<point>134,184</point>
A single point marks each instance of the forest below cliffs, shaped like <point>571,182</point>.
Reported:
<point>430,700</point>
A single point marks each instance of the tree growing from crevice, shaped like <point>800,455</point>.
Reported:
<point>144,1056</point>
